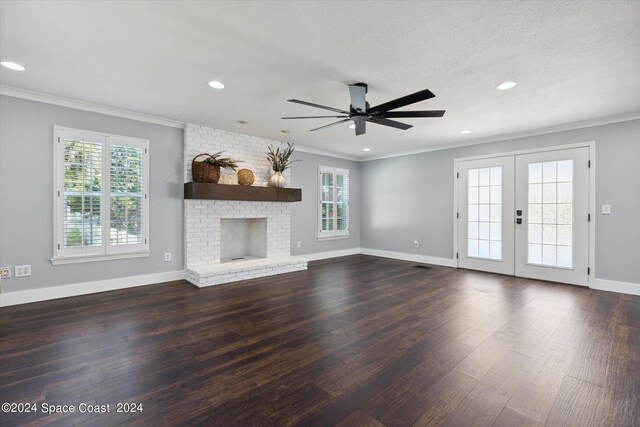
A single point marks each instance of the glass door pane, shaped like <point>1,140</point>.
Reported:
<point>550,214</point>
<point>484,218</point>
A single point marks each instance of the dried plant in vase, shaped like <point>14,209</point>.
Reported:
<point>208,170</point>
<point>280,161</point>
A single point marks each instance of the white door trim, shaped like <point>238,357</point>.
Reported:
<point>592,194</point>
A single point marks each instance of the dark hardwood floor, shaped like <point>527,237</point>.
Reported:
<point>353,341</point>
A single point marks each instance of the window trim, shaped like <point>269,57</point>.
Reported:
<point>333,234</point>
<point>105,251</point>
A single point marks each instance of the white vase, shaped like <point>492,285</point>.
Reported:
<point>277,180</point>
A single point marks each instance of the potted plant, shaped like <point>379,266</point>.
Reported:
<point>280,161</point>
<point>208,170</point>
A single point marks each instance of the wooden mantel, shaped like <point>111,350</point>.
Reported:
<point>208,191</point>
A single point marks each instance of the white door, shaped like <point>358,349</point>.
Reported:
<point>552,214</point>
<point>485,215</point>
<point>526,215</point>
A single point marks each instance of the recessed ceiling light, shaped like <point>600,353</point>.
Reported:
<point>216,84</point>
<point>12,66</point>
<point>284,131</point>
<point>352,126</point>
<point>366,149</point>
<point>465,131</point>
<point>243,122</point>
<point>506,85</point>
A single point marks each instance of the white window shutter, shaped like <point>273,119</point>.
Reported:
<point>101,188</point>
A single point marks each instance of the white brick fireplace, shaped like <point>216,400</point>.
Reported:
<point>208,248</point>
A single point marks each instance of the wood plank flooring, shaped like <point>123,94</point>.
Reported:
<point>353,341</point>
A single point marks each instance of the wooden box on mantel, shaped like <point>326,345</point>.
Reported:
<point>208,191</point>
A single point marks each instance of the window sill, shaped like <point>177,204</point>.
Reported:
<point>339,237</point>
<point>93,258</point>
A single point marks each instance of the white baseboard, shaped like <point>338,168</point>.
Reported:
<point>615,286</point>
<point>331,254</point>
<point>425,259</point>
<point>43,294</point>
<point>55,292</point>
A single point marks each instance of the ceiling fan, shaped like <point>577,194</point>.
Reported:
<point>360,112</point>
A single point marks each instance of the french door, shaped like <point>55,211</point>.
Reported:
<point>485,215</point>
<point>526,215</point>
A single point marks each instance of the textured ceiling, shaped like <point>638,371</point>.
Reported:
<point>574,61</point>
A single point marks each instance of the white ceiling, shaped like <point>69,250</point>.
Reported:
<point>573,61</point>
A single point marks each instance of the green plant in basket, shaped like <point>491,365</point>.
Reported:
<point>216,159</point>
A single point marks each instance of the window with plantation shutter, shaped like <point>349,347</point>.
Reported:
<point>333,203</point>
<point>101,196</point>
<point>126,195</point>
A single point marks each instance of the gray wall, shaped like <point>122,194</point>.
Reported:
<point>393,201</point>
<point>26,198</point>
<point>26,194</point>
<point>411,197</point>
<point>304,215</point>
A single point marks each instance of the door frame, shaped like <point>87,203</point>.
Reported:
<point>591,202</point>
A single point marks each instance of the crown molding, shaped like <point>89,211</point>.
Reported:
<point>102,109</point>
<point>97,108</point>
<point>87,106</point>
<point>321,152</point>
<point>515,135</point>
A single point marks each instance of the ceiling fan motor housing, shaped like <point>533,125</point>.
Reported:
<point>366,90</point>
<point>364,85</point>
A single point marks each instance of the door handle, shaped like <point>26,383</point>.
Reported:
<point>518,220</point>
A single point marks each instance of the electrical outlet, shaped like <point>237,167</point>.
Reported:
<point>606,209</point>
<point>23,270</point>
<point>167,256</point>
<point>299,244</point>
<point>5,272</point>
<point>416,244</point>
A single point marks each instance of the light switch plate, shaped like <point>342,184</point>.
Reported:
<point>606,209</point>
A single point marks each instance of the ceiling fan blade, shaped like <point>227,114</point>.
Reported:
<point>400,114</point>
<point>358,102</point>
<point>331,124</point>
<point>361,127</point>
<point>315,117</point>
<point>401,102</point>
<point>318,106</point>
<point>390,123</point>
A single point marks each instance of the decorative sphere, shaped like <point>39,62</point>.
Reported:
<point>245,177</point>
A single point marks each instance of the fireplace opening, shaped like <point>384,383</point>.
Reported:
<point>243,239</point>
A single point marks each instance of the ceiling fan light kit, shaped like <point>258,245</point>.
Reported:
<point>360,112</point>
